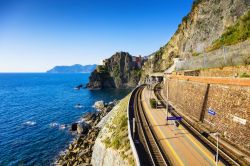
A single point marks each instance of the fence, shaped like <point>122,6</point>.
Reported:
<point>238,54</point>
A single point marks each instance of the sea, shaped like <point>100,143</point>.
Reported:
<point>36,112</point>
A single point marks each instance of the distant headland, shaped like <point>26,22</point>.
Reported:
<point>77,68</point>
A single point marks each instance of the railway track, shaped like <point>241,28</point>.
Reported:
<point>153,152</point>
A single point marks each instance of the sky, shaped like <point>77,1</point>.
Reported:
<point>36,35</point>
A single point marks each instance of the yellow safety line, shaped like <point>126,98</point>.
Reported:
<point>198,146</point>
<point>171,148</point>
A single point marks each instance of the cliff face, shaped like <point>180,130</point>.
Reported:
<point>112,145</point>
<point>205,23</point>
<point>120,71</point>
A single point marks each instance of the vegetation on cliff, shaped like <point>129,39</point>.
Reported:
<point>206,21</point>
<point>234,34</point>
<point>118,128</point>
<point>112,146</point>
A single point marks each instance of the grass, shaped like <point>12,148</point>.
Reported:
<point>116,71</point>
<point>118,128</point>
<point>137,73</point>
<point>195,54</point>
<point>233,34</point>
<point>245,75</point>
<point>194,5</point>
<point>246,60</point>
<point>102,69</point>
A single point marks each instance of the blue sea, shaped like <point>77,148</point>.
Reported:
<point>34,110</point>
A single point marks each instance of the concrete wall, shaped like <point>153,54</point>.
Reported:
<point>231,103</point>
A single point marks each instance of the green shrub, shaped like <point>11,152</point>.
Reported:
<point>116,142</point>
<point>136,73</point>
<point>246,60</point>
<point>195,54</point>
<point>245,75</point>
<point>185,18</point>
<point>234,34</point>
<point>153,103</point>
<point>116,71</point>
<point>196,3</point>
<point>102,69</point>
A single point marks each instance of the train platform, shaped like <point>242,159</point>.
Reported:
<point>178,143</point>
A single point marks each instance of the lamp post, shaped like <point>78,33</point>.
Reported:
<point>217,151</point>
<point>150,87</point>
<point>217,148</point>
<point>167,111</point>
<point>213,113</point>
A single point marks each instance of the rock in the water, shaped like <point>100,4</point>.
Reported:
<point>79,128</point>
<point>80,151</point>
<point>82,128</point>
<point>71,147</point>
<point>74,127</point>
<point>99,105</point>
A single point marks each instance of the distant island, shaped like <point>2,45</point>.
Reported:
<point>77,68</point>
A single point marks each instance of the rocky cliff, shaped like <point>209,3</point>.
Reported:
<point>119,71</point>
<point>205,23</point>
<point>112,145</point>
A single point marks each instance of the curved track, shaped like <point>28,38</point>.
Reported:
<point>154,153</point>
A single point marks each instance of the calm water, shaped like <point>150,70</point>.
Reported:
<point>32,109</point>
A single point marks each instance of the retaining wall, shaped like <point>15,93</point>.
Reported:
<point>230,101</point>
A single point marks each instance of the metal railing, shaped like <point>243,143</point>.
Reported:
<point>238,54</point>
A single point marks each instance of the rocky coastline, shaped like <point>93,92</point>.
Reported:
<point>80,151</point>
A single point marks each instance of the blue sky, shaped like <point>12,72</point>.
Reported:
<point>36,35</point>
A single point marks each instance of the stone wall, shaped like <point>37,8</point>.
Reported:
<point>230,102</point>
<point>187,96</point>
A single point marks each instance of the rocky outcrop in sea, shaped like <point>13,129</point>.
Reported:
<point>121,70</point>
